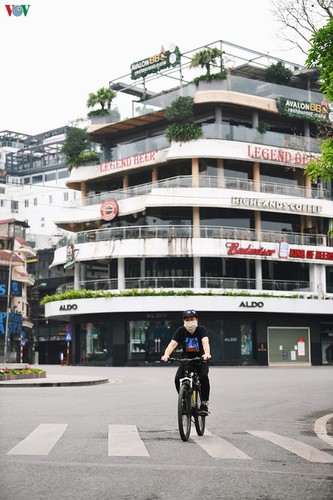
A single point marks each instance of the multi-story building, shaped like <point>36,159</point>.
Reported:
<point>17,337</point>
<point>227,224</point>
<point>32,183</point>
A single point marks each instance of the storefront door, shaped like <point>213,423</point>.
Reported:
<point>288,345</point>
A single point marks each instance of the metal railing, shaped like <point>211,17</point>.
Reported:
<point>216,232</point>
<point>187,282</point>
<point>206,181</point>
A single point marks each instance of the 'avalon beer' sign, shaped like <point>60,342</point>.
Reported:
<point>157,62</point>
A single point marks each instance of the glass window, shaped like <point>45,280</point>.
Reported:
<point>37,179</point>
<point>238,169</point>
<point>50,177</point>
<point>231,340</point>
<point>172,216</point>
<point>226,217</point>
<point>280,222</point>
<point>62,174</point>
<point>147,339</point>
<point>176,169</point>
<point>277,174</point>
<point>208,167</point>
<point>93,344</point>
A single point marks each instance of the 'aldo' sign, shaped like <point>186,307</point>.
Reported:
<point>251,304</point>
<point>68,307</point>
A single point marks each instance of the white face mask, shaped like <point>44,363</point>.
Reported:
<point>191,325</point>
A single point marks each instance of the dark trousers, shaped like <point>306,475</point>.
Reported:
<point>202,370</point>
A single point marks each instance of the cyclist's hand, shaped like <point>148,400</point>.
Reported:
<point>165,358</point>
<point>206,357</point>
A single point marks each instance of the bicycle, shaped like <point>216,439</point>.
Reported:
<point>189,401</point>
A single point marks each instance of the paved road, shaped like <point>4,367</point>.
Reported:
<point>266,437</point>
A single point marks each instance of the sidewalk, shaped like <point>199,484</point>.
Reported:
<point>51,379</point>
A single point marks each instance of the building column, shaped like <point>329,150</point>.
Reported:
<point>258,274</point>
<point>154,176</point>
<point>196,222</point>
<point>196,272</point>
<point>257,224</point>
<point>83,193</point>
<point>255,119</point>
<point>143,268</point>
<point>308,187</point>
<point>256,176</point>
<point>317,275</point>
<point>220,173</point>
<point>121,273</point>
<point>218,122</point>
<point>77,275</point>
<point>195,172</point>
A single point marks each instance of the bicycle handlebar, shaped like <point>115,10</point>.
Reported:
<point>185,360</point>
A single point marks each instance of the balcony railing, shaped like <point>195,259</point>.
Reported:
<point>227,132</point>
<point>218,232</point>
<point>176,282</point>
<point>207,181</point>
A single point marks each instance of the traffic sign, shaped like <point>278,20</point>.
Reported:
<point>68,337</point>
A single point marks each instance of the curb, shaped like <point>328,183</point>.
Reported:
<point>41,383</point>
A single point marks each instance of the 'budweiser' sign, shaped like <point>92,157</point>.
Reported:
<point>236,249</point>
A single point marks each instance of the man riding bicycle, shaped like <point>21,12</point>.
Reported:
<point>194,341</point>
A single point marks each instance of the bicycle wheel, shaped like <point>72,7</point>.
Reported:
<point>184,412</point>
<point>199,420</point>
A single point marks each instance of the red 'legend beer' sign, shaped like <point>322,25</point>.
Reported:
<point>109,210</point>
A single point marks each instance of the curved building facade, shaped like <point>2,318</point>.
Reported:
<point>227,224</point>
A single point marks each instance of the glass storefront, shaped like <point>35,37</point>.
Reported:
<point>148,339</point>
<point>231,341</point>
<point>326,333</point>
<point>94,345</point>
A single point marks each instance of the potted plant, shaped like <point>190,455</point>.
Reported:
<point>77,148</point>
<point>103,97</point>
<point>263,127</point>
<point>205,59</point>
<point>180,115</point>
<point>278,73</point>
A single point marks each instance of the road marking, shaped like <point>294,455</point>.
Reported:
<point>124,441</point>
<point>303,450</point>
<point>218,447</point>
<point>321,428</point>
<point>40,441</point>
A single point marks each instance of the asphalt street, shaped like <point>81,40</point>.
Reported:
<point>268,437</point>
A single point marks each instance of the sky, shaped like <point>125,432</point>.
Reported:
<point>62,50</point>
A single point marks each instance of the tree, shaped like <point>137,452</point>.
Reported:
<point>321,57</point>
<point>180,114</point>
<point>278,73</point>
<point>104,97</point>
<point>77,147</point>
<point>301,19</point>
<point>205,58</point>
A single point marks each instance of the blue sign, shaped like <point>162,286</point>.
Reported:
<point>15,288</point>
<point>14,323</point>
<point>68,337</point>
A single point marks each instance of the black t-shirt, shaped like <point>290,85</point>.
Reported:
<point>191,343</point>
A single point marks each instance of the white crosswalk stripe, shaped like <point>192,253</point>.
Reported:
<point>40,441</point>
<point>218,447</point>
<point>124,441</point>
<point>305,451</point>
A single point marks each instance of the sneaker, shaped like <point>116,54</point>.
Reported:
<point>203,410</point>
